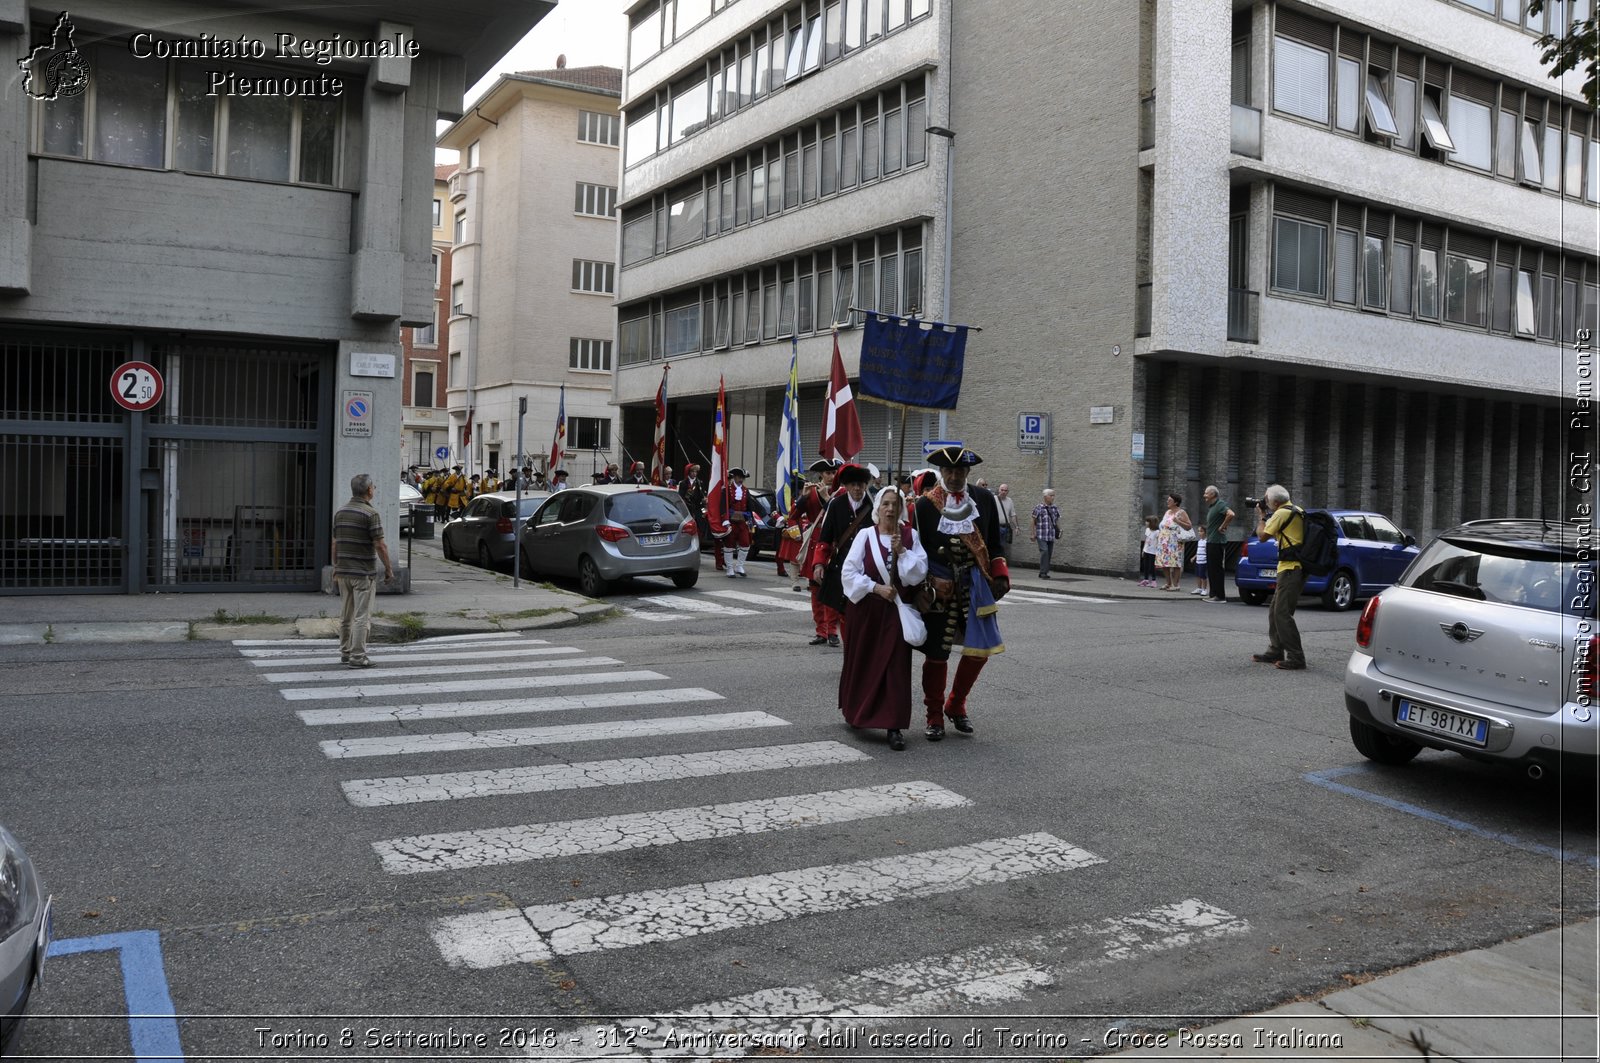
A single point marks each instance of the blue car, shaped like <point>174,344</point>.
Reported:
<point>1372,554</point>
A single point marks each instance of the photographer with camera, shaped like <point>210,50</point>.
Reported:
<point>1277,519</point>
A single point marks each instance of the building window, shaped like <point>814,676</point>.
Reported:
<point>1299,250</point>
<point>427,335</point>
<point>597,128</point>
<point>1526,323</point>
<point>1377,285</point>
<point>591,355</point>
<point>597,201</point>
<point>1400,279</point>
<point>438,212</point>
<point>599,278</point>
<point>139,111</point>
<point>460,234</point>
<point>474,155</point>
<point>458,304</point>
<point>1502,299</point>
<point>1466,287</point>
<point>1405,111</point>
<point>422,389</point>
<point>1300,79</point>
<point>1428,283</point>
<point>1469,128</point>
<point>456,379</point>
<point>1344,267</point>
<point>1433,128</point>
<point>1347,117</point>
<point>1380,117</point>
<point>589,433</point>
<point>1529,172</point>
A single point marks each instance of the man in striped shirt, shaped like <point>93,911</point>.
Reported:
<point>1046,530</point>
<point>357,547</point>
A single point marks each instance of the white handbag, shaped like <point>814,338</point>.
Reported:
<point>911,624</point>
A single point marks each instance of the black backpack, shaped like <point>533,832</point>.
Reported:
<point>1318,552</point>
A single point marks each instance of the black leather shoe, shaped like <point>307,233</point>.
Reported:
<point>962,724</point>
<point>897,741</point>
<point>1291,666</point>
<point>1266,658</point>
<point>833,640</point>
<point>935,734</point>
<point>820,640</point>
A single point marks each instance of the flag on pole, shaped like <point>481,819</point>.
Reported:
<point>841,428</point>
<point>716,493</point>
<point>658,459</point>
<point>466,431</point>
<point>786,480</point>
<point>558,450</point>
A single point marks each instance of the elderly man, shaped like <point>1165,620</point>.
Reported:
<point>1046,529</point>
<point>1215,523</point>
<point>357,547</point>
<point>1008,518</point>
<point>1277,518</point>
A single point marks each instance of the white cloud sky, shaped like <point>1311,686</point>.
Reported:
<point>587,32</point>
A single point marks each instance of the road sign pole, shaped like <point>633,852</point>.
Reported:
<point>516,517</point>
<point>1050,450</point>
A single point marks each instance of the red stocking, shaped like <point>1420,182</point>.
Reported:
<point>933,677</point>
<point>966,675</point>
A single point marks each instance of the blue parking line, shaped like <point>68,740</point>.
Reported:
<point>1325,779</point>
<point>152,1020</point>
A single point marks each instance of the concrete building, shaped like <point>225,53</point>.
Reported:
<point>1340,244</point>
<point>233,195</point>
<point>426,425</point>
<point>533,206</point>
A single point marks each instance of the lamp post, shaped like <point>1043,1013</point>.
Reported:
<point>949,234</point>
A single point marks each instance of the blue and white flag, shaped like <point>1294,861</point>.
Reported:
<point>788,475</point>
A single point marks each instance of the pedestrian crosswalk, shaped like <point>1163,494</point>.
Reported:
<point>544,704</point>
<point>705,603</point>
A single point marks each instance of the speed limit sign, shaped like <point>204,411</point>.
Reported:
<point>136,386</point>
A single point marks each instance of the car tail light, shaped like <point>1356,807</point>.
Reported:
<point>503,525</point>
<point>1244,551</point>
<point>1588,671</point>
<point>690,528</point>
<point>611,533</point>
<point>1364,625</point>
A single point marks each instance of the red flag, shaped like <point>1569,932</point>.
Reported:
<point>841,428</point>
<point>716,486</point>
<point>466,432</point>
<point>658,461</point>
<point>558,449</point>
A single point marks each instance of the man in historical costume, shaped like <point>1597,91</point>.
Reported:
<point>795,542</point>
<point>959,526</point>
<point>693,492</point>
<point>735,532</point>
<point>455,491</point>
<point>848,512</point>
<point>637,476</point>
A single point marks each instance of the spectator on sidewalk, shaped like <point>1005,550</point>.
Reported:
<point>1218,517</point>
<point>1008,518</point>
<point>1148,535</point>
<point>1046,529</point>
<point>357,547</point>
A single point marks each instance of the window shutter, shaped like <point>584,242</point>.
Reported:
<point>1472,87</point>
<point>1409,65</point>
<point>1344,267</point>
<point>1352,45</point>
<point>1378,223</point>
<point>1473,244</point>
<point>1432,236</point>
<point>1302,204</point>
<point>1310,30</point>
<point>1300,79</point>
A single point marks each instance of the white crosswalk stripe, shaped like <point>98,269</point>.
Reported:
<point>302,647</point>
<point>507,654</point>
<point>471,684</point>
<point>797,604</point>
<point>609,699</point>
<point>495,939</point>
<point>447,741</point>
<point>499,782</point>
<point>638,830</point>
<point>646,614</point>
<point>477,636</point>
<point>815,1018</point>
<point>686,604</point>
<point>1046,598</point>
<point>443,669</point>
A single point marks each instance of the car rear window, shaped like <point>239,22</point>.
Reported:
<point>1506,576</point>
<point>665,506</point>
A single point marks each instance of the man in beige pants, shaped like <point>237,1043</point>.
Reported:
<point>357,547</point>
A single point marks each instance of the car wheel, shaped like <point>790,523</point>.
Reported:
<point>1341,592</point>
<point>590,581</point>
<point>484,560</point>
<point>1381,746</point>
<point>449,551</point>
<point>684,580</point>
<point>526,564</point>
<point>1252,597</point>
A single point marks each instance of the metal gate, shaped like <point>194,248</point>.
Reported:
<point>222,486</point>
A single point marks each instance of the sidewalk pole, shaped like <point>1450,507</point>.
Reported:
<point>516,515</point>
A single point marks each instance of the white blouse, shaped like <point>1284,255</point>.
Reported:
<point>858,579</point>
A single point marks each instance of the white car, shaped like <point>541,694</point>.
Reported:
<point>409,496</point>
<point>24,938</point>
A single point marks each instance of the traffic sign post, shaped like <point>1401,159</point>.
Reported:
<point>931,445</point>
<point>358,414</point>
<point>137,386</point>
<point>1035,432</point>
<point>441,453</point>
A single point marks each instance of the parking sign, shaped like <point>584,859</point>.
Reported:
<point>1032,430</point>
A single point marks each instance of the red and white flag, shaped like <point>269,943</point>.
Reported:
<point>558,446</point>
<point>716,493</point>
<point>841,428</point>
<point>658,460</point>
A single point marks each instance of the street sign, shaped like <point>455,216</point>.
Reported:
<point>931,445</point>
<point>137,386</point>
<point>358,414</point>
<point>441,453</point>
<point>1033,432</point>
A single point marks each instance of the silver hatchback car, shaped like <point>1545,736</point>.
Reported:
<point>1485,647</point>
<point>609,532</point>
<point>24,938</point>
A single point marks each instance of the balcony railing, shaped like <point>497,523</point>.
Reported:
<point>1244,315</point>
<point>1141,310</point>
<point>1246,131</point>
<point>1147,122</point>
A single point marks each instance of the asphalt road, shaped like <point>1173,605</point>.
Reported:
<point>1146,829</point>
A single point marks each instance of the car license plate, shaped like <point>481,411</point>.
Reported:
<point>1440,721</point>
<point>655,540</point>
<point>1268,573</point>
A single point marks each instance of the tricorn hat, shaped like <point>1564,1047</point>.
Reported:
<point>953,458</point>
<point>824,465</point>
<point>736,471</point>
<point>559,473</point>
<point>456,467</point>
<point>852,474</point>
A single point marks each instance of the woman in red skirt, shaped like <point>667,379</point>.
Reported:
<point>875,682</point>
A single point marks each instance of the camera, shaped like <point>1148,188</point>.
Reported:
<point>1258,503</point>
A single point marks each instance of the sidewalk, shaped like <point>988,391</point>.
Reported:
<point>445,598</point>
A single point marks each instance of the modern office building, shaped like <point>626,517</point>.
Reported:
<point>533,205</point>
<point>1343,245</point>
<point>425,428</point>
<point>234,195</point>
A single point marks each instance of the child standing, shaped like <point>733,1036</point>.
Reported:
<point>1147,556</point>
<point>1200,563</point>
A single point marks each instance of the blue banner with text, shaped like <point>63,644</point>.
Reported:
<point>911,362</point>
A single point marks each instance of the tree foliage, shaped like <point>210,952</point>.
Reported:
<point>1577,49</point>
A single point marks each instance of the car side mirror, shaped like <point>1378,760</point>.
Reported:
<point>1407,539</point>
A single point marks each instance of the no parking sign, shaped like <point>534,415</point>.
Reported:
<point>358,413</point>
